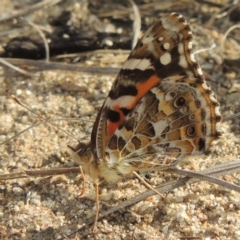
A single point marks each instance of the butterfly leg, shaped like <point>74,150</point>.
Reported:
<point>146,184</point>
<point>96,185</point>
<point>84,182</point>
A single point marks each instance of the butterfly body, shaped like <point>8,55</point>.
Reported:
<point>159,109</point>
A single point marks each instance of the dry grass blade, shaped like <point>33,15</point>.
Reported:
<point>206,49</point>
<point>42,36</point>
<point>8,64</point>
<point>136,23</point>
<point>207,178</point>
<point>224,10</point>
<point>31,9</point>
<point>225,36</point>
<point>44,66</point>
<point>38,173</point>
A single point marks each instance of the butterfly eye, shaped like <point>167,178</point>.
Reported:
<point>180,102</point>
<point>191,131</point>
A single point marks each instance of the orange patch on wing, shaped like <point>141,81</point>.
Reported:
<point>112,126</point>
<point>142,88</point>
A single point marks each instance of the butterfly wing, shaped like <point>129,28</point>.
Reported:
<point>160,106</point>
<point>177,117</point>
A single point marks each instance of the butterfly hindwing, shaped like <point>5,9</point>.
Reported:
<point>172,120</point>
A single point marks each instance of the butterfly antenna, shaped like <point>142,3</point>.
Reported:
<point>42,118</point>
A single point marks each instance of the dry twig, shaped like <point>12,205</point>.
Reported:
<point>136,23</point>
<point>33,8</point>
<point>225,36</point>
<point>5,62</point>
<point>44,66</point>
<point>42,36</point>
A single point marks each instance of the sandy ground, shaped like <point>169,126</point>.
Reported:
<point>33,208</point>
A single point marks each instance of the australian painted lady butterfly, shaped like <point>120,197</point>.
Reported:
<point>159,109</point>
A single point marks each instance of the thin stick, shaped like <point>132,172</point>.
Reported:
<point>145,183</point>
<point>39,173</point>
<point>84,182</point>
<point>204,177</point>
<point>42,36</point>
<point>136,23</point>
<point>43,66</point>
<point>225,36</point>
<point>17,69</point>
<point>33,8</point>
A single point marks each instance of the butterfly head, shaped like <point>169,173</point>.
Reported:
<point>83,155</point>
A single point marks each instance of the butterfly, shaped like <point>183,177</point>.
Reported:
<point>159,110</point>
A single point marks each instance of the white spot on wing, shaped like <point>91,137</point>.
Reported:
<point>192,57</point>
<point>141,64</point>
<point>144,64</point>
<point>190,44</point>
<point>166,45</point>
<point>165,58</point>
<point>160,126</point>
<point>212,97</point>
<point>205,86</point>
<point>182,61</point>
<point>180,16</point>
<point>217,111</point>
<point>199,71</point>
<point>124,101</point>
<point>168,96</point>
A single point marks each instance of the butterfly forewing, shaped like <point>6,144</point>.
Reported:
<point>163,51</point>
